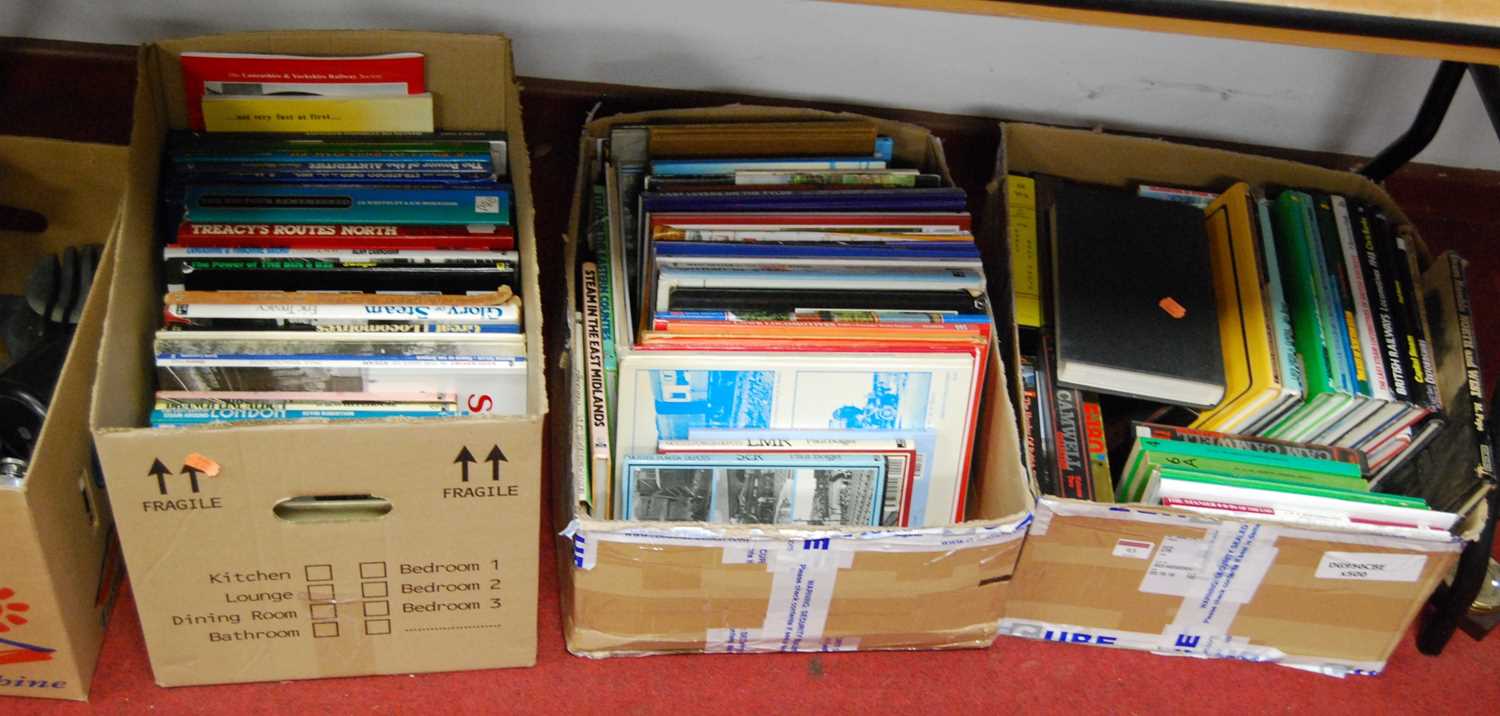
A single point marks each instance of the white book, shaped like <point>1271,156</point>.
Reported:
<point>1251,502</point>
<point>1364,318</point>
<point>913,278</point>
<point>665,394</point>
<point>508,313</point>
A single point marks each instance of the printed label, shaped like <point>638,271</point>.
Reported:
<point>1371,566</point>
<point>1134,549</point>
<point>1177,564</point>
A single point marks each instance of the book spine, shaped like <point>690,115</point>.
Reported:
<point>1072,457</point>
<point>1423,330</point>
<point>1025,268</point>
<point>1049,480</point>
<point>1292,377</point>
<point>1371,355</point>
<point>349,312</point>
<point>1331,311</point>
<point>345,236</point>
<point>1256,444</point>
<point>1031,419</point>
<point>600,452</point>
<point>480,165</point>
<point>1375,274</point>
<point>1472,364</point>
<point>1298,273</point>
<point>1097,449</point>
<point>1418,349</point>
<point>338,205</point>
<point>1400,293</point>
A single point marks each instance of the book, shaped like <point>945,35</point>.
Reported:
<point>274,343</point>
<point>292,310</point>
<point>600,427</point>
<point>359,273</point>
<point>900,455</point>
<point>1021,232</point>
<point>1457,468</point>
<point>272,204</point>
<point>1368,336</point>
<point>482,386</point>
<point>1252,385</point>
<point>753,488</point>
<point>374,113</point>
<point>663,395</point>
<point>474,237</point>
<point>233,73</point>
<point>1290,366</point>
<point>754,139</point>
<point>1120,264</point>
<point>779,300</point>
<point>718,167</point>
<point>176,412</point>
<point>1150,453</point>
<point>670,279</point>
<point>1247,442</point>
<point>1340,292</point>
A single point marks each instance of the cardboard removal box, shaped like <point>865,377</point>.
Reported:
<point>640,588</point>
<point>61,566</point>
<point>1177,582</point>
<point>424,561</point>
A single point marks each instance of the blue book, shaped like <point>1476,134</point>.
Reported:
<point>936,199</point>
<point>381,161</point>
<point>404,179</point>
<point>295,204</point>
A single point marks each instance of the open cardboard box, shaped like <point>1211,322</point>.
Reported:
<point>61,569</point>
<point>426,571</point>
<point>1084,568</point>
<point>640,588</point>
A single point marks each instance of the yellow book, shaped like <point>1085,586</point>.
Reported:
<point>1251,382</point>
<point>318,115</point>
<point>1025,272</point>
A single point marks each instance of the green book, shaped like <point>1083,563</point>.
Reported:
<point>1261,483</point>
<point>1152,453</point>
<point>1300,279</point>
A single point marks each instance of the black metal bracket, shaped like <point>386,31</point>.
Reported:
<point>1433,110</point>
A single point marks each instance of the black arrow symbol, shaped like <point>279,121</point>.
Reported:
<point>494,459</point>
<point>160,471</point>
<point>465,458</point>
<point>192,473</point>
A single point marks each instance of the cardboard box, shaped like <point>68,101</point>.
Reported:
<point>429,564</point>
<point>1093,573</point>
<point>641,588</point>
<point>61,569</point>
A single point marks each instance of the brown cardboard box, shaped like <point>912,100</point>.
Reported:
<point>637,588</point>
<point>61,567</point>
<point>427,570</point>
<point>1094,573</point>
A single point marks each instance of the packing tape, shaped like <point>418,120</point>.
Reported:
<point>1213,575</point>
<point>586,540</point>
<point>804,567</point>
<point>1208,648</point>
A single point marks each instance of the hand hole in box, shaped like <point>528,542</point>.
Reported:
<point>332,508</point>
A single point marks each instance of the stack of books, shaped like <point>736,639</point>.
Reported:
<point>1278,321</point>
<point>362,274</point>
<point>783,322</point>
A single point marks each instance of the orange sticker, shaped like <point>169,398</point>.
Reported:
<point>1172,307</point>
<point>201,464</point>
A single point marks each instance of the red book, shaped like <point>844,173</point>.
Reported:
<point>234,73</point>
<point>344,236</point>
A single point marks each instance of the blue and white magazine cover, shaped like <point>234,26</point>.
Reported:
<point>669,394</point>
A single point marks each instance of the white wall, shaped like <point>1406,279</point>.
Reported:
<point>1240,91</point>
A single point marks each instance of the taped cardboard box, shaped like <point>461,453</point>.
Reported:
<point>427,562</point>
<point>61,569</point>
<point>1176,582</point>
<point>631,588</point>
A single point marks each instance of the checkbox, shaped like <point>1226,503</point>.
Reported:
<point>320,592</point>
<point>378,609</point>
<point>375,590</point>
<point>324,611</point>
<point>372,570</point>
<point>376,627</point>
<point>319,572</point>
<point>325,630</point>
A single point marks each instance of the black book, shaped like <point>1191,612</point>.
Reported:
<point>1381,302</point>
<point>740,300</point>
<point>305,274</point>
<point>1134,297</point>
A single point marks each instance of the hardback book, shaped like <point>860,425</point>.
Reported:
<point>1135,312</point>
